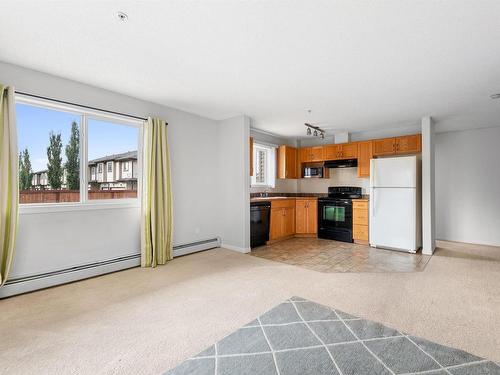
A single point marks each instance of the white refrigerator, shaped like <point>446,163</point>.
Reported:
<point>395,203</point>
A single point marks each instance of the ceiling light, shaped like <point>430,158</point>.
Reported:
<point>495,96</point>
<point>322,135</point>
<point>308,131</point>
<point>122,16</point>
<point>315,133</point>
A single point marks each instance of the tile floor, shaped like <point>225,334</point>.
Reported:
<point>334,256</point>
<point>300,337</point>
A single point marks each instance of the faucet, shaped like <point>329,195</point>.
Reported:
<point>265,193</point>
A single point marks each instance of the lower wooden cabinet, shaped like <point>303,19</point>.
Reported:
<point>282,219</point>
<point>360,221</point>
<point>306,216</point>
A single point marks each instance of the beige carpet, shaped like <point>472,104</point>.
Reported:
<point>144,321</point>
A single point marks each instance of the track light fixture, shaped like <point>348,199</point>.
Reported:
<point>317,130</point>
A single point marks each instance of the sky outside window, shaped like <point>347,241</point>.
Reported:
<point>34,125</point>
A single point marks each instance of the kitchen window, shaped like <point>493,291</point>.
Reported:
<point>62,146</point>
<point>264,166</point>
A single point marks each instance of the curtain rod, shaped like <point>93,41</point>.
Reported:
<point>81,105</point>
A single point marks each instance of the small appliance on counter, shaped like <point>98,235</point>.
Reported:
<point>335,213</point>
<point>395,203</point>
<point>259,223</point>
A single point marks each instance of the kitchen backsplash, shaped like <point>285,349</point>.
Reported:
<point>282,186</point>
<point>338,177</point>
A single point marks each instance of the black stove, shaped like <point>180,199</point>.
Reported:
<point>335,213</point>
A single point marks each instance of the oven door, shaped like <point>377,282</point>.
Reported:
<point>335,214</point>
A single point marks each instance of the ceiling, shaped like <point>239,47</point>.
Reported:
<point>358,65</point>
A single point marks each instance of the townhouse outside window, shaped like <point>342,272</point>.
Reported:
<point>64,151</point>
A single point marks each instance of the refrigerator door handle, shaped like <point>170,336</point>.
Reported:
<point>372,202</point>
<point>372,173</point>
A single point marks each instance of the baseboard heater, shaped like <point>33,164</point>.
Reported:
<point>44,280</point>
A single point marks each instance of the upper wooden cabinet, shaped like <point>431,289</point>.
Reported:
<point>364,156</point>
<point>331,152</point>
<point>251,156</point>
<point>349,151</point>
<point>311,154</point>
<point>287,162</point>
<point>399,145</point>
<point>384,146</point>
<point>341,151</point>
<point>409,144</point>
<point>306,216</point>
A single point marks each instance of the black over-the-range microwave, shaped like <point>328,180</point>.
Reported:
<point>313,172</point>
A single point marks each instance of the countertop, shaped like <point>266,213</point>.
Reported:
<point>280,198</point>
<point>290,196</point>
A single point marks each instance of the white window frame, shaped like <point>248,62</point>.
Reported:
<point>109,164</point>
<point>85,203</point>
<point>270,168</point>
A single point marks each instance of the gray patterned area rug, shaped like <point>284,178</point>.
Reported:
<point>300,337</point>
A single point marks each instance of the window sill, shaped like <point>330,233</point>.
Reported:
<point>29,209</point>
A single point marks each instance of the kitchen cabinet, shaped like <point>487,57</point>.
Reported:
<point>282,219</point>
<point>306,216</point>
<point>251,156</point>
<point>385,146</point>
<point>364,156</point>
<point>360,220</point>
<point>311,154</point>
<point>409,144</point>
<point>287,162</point>
<point>332,152</point>
<point>341,151</point>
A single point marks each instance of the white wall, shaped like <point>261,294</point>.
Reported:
<point>53,240</point>
<point>467,186</point>
<point>428,186</point>
<point>233,202</point>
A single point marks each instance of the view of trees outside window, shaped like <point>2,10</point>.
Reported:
<point>49,157</point>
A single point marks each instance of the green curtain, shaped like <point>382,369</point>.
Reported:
<point>156,225</point>
<point>9,188</point>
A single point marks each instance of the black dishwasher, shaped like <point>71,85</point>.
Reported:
<point>259,223</point>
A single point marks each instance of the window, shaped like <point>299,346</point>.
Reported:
<point>49,154</point>
<point>264,165</point>
<point>63,146</point>
<point>110,142</point>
